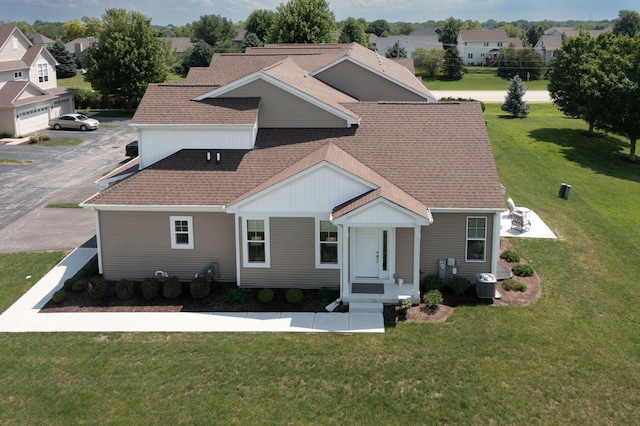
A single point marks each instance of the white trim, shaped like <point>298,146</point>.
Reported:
<point>153,208</point>
<point>237,228</point>
<point>383,276</point>
<point>99,243</point>
<point>213,126</point>
<point>470,210</point>
<point>266,241</point>
<point>467,239</point>
<point>495,249</point>
<point>174,241</point>
<point>319,264</point>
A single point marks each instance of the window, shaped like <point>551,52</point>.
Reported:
<point>476,238</point>
<point>181,232</point>
<point>43,73</point>
<point>327,253</point>
<point>486,44</point>
<point>17,75</point>
<point>470,56</point>
<point>256,242</point>
<point>499,44</point>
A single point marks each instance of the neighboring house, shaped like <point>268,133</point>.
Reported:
<point>29,93</point>
<point>41,39</point>
<point>79,46</point>
<point>482,47</point>
<point>409,42</point>
<point>179,45</point>
<point>427,31</point>
<point>304,166</point>
<point>548,43</point>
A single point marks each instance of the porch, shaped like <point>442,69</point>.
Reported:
<point>386,293</point>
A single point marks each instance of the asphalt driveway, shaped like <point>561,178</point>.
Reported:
<point>56,175</point>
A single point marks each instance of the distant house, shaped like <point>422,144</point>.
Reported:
<point>41,39</point>
<point>180,45</point>
<point>29,92</point>
<point>427,31</point>
<point>79,46</point>
<point>304,166</point>
<point>409,42</point>
<point>549,43</point>
<point>482,47</point>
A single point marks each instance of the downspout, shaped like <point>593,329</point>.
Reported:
<point>238,242</point>
<point>495,246</point>
<point>99,242</point>
<point>417,235</point>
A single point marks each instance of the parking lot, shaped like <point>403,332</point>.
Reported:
<point>56,175</point>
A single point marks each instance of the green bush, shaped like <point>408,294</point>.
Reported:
<point>172,288</point>
<point>293,296</point>
<point>327,295</point>
<point>79,286</point>
<point>514,285</point>
<point>451,99</point>
<point>90,269</point>
<point>59,296</point>
<point>432,299</point>
<point>522,270</point>
<point>510,256</point>
<point>124,289</point>
<point>150,287</point>
<point>404,305</point>
<point>39,137</point>
<point>237,296</point>
<point>97,288</point>
<point>200,287</point>
<point>458,285</point>
<point>265,295</point>
<point>68,284</point>
<point>431,282</point>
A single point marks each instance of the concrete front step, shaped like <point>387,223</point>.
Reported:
<point>365,307</point>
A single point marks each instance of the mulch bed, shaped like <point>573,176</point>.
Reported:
<point>81,302</point>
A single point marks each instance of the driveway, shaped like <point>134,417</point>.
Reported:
<point>56,175</point>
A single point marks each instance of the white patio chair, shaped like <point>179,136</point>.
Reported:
<point>519,219</point>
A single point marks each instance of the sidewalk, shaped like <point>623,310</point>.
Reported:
<point>24,316</point>
<point>492,96</point>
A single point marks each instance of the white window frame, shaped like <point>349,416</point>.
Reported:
<point>172,228</point>
<point>43,72</point>
<point>17,75</point>
<point>319,264</point>
<point>245,244</point>
<point>476,238</point>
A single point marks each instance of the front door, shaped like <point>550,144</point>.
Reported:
<point>371,252</point>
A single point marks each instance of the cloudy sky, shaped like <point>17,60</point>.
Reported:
<point>180,12</point>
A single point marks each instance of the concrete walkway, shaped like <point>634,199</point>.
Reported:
<point>492,96</point>
<point>24,316</point>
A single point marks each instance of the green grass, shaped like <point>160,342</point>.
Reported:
<point>479,79</point>
<point>63,206</point>
<point>62,141</point>
<point>78,82</point>
<point>570,358</point>
<point>13,161</point>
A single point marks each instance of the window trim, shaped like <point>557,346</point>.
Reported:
<point>43,77</point>
<point>484,240</point>
<point>172,229</point>
<point>17,75</point>
<point>245,244</point>
<point>317,245</point>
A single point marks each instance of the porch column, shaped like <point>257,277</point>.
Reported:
<point>344,267</point>
<point>415,296</point>
<point>495,243</point>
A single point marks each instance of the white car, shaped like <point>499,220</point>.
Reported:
<point>74,121</point>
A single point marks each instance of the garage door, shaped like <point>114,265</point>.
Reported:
<point>33,120</point>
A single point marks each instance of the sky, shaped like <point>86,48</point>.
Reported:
<point>180,12</point>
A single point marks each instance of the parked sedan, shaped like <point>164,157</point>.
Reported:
<point>74,121</point>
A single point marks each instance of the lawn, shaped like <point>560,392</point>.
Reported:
<point>78,82</point>
<point>570,358</point>
<point>479,79</point>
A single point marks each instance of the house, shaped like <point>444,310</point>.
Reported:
<point>409,42</point>
<point>548,43</point>
<point>29,93</point>
<point>304,166</point>
<point>78,47</point>
<point>482,47</point>
<point>41,39</point>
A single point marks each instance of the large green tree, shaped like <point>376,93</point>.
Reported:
<point>303,21</point>
<point>66,65</point>
<point>396,51</point>
<point>378,27</point>
<point>214,30</point>
<point>524,62</point>
<point>428,60</point>
<point>449,35</point>
<point>628,23</point>
<point>260,22</point>
<point>126,58</point>
<point>514,103</point>
<point>452,66</point>
<point>353,31</point>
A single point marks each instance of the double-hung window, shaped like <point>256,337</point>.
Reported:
<point>181,232</point>
<point>256,243</point>
<point>17,75</point>
<point>326,244</point>
<point>476,239</point>
<point>43,72</point>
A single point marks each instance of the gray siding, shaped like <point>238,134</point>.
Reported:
<point>404,254</point>
<point>148,245</point>
<point>364,85</point>
<point>282,109</point>
<point>292,258</point>
<point>446,237</point>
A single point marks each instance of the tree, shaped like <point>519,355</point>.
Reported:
<point>250,40</point>
<point>533,34</point>
<point>628,23</point>
<point>572,85</point>
<point>378,27</point>
<point>396,51</point>
<point>428,60</point>
<point>513,102</point>
<point>66,65</point>
<point>260,22</point>
<point>524,62</point>
<point>303,21</point>
<point>73,30</point>
<point>93,26</point>
<point>213,29</point>
<point>353,31</point>
<point>452,66</point>
<point>449,35</point>
<point>126,58</point>
<point>200,55</point>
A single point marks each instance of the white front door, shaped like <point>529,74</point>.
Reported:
<point>371,253</point>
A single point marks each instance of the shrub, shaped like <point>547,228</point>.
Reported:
<point>404,305</point>
<point>510,256</point>
<point>265,295</point>
<point>514,285</point>
<point>97,288</point>
<point>522,270</point>
<point>451,99</point>
<point>78,286</point>
<point>59,296</point>
<point>68,284</point>
<point>90,269</point>
<point>200,287</point>
<point>458,285</point>
<point>327,295</point>
<point>237,296</point>
<point>293,296</point>
<point>172,288</point>
<point>124,289</point>
<point>431,282</point>
<point>150,287</point>
<point>432,299</point>
<point>39,137</point>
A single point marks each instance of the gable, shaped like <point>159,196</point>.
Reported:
<point>14,45</point>
<point>382,212</point>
